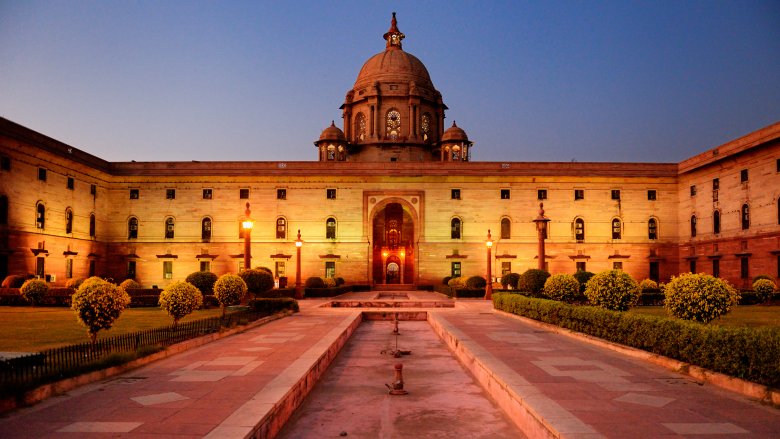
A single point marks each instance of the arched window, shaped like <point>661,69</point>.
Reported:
<point>506,228</point>
<point>281,228</point>
<point>393,124</point>
<point>169,226</point>
<point>330,228</point>
<point>360,127</point>
<point>778,210</point>
<point>40,216</point>
<point>132,228</point>
<point>456,153</point>
<point>617,229</point>
<point>579,230</point>
<point>425,127</point>
<point>68,220</point>
<point>716,221</point>
<point>3,209</point>
<point>693,226</point>
<point>205,229</point>
<point>455,231</point>
<point>342,153</point>
<point>745,216</point>
<point>331,153</point>
<point>652,228</point>
<point>92,225</point>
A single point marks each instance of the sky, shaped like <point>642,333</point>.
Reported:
<point>620,81</point>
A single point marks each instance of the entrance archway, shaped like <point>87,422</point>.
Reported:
<point>393,233</point>
<point>393,270</point>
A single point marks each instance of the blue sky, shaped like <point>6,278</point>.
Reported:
<point>655,81</point>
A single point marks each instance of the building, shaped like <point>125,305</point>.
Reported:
<point>392,199</point>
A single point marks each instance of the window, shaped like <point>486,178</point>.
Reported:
<point>68,220</point>
<point>205,265</point>
<point>743,176</point>
<point>693,190</point>
<point>69,268</point>
<point>617,265</point>
<point>91,268</point>
<point>652,195</point>
<point>425,126</point>
<point>205,229</point>
<point>655,273</point>
<point>692,266</point>
<point>130,270</point>
<point>716,267</point>
<point>42,174</point>
<point>506,228</point>
<point>617,229</point>
<point>279,269</point>
<point>393,124</point>
<point>132,228</point>
<point>92,225</point>
<point>744,269</point>
<point>579,229</point>
<point>5,163</point>
<point>40,267</point>
<point>167,269</point>
<point>580,266</point>
<point>360,127</point>
<point>207,194</point>
<point>330,194</point>
<point>778,211</point>
<point>455,194</point>
<point>330,228</point>
<point>93,190</point>
<point>714,196</point>
<point>715,184</point>
<point>506,268</point>
<point>281,228</point>
<point>616,194</point>
<point>281,194</point>
<point>652,228</point>
<point>541,194</point>
<point>330,269</point>
<point>455,269</point>
<point>134,194</point>
<point>455,231</point>
<point>71,183</point>
<point>40,216</point>
<point>745,216</point>
<point>716,221</point>
<point>169,226</point>
<point>170,194</point>
<point>243,194</point>
<point>3,209</point>
<point>579,194</point>
<point>331,153</point>
<point>693,226</point>
<point>505,194</point>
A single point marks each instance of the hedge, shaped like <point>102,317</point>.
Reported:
<point>747,353</point>
<point>326,292</point>
<point>459,293</point>
<point>273,305</point>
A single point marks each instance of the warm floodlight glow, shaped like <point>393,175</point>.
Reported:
<point>247,224</point>
<point>384,254</point>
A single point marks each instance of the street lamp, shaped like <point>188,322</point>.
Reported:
<point>541,232</point>
<point>489,286</point>
<point>298,245</point>
<point>247,224</point>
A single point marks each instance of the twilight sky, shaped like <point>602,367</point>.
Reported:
<point>655,81</point>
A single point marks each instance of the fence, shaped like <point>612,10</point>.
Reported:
<point>53,364</point>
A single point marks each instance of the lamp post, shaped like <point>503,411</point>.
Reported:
<point>247,224</point>
<point>489,285</point>
<point>541,232</point>
<point>298,245</point>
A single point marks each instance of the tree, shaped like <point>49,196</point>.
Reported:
<point>562,287</point>
<point>204,281</point>
<point>532,281</point>
<point>699,297</point>
<point>34,290</point>
<point>179,299</point>
<point>257,281</point>
<point>612,289</point>
<point>98,304</point>
<point>229,289</point>
<point>764,289</point>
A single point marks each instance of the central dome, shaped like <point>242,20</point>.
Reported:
<point>393,65</point>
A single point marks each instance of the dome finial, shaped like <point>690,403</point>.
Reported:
<point>393,36</point>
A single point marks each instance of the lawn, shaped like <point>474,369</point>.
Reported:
<point>27,329</point>
<point>745,315</point>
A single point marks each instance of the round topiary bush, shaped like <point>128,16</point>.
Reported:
<point>34,290</point>
<point>562,287</point>
<point>315,282</point>
<point>130,284</point>
<point>699,297</point>
<point>583,277</point>
<point>510,280</point>
<point>74,283</point>
<point>457,282</point>
<point>15,280</point>
<point>98,304</point>
<point>532,281</point>
<point>476,282</point>
<point>648,286</point>
<point>764,289</point>
<point>258,281</point>
<point>339,281</point>
<point>203,281</point>
<point>179,299</point>
<point>763,276</point>
<point>446,280</point>
<point>229,289</point>
<point>267,270</point>
<point>612,289</point>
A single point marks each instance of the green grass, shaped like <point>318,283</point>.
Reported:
<point>27,329</point>
<point>745,315</point>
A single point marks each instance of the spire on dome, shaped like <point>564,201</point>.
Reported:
<point>393,36</point>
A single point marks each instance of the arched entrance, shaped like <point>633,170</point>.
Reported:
<point>393,245</point>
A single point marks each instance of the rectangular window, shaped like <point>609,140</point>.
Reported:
<point>455,194</point>
<point>580,266</point>
<point>541,194</point>
<point>778,265</point>
<point>716,267</point>
<point>168,269</point>
<point>455,269</point>
<point>205,265</point>
<point>130,270</point>
<point>40,267</point>
<point>505,194</point>
<point>652,195</point>
<point>743,176</point>
<point>240,265</point>
<point>69,268</point>
<point>5,163</point>
<point>91,267</point>
<point>777,165</point>
<point>579,194</point>
<point>170,194</point>
<point>207,194</point>
<point>715,184</point>
<point>281,194</point>
<point>330,269</point>
<point>134,193</point>
<point>279,269</point>
<point>41,174</point>
<point>617,265</point>
<point>714,195</point>
<point>693,190</point>
<point>506,268</point>
<point>692,266</point>
<point>93,190</point>
<point>655,273</point>
<point>71,183</point>
<point>243,194</point>
<point>330,194</point>
<point>744,272</point>
<point>616,194</point>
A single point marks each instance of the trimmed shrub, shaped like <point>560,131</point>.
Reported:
<point>98,304</point>
<point>229,289</point>
<point>130,284</point>
<point>34,290</point>
<point>446,280</point>
<point>329,282</point>
<point>257,280</point>
<point>274,305</point>
<point>648,286</point>
<point>456,282</point>
<point>74,283</point>
<point>699,297</point>
<point>612,289</point>
<point>315,282</point>
<point>15,280</point>
<point>203,281</point>
<point>562,287</point>
<point>583,277</point>
<point>764,289</point>
<point>510,280</point>
<point>267,270</point>
<point>532,281</point>
<point>476,282</point>
<point>179,299</point>
<point>763,276</point>
<point>340,281</point>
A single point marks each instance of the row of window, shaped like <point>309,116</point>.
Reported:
<point>70,182</point>
<point>281,194</point>
<point>744,219</point>
<point>206,227</point>
<point>541,194</point>
<point>743,178</point>
<point>456,227</point>
<point>40,217</point>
